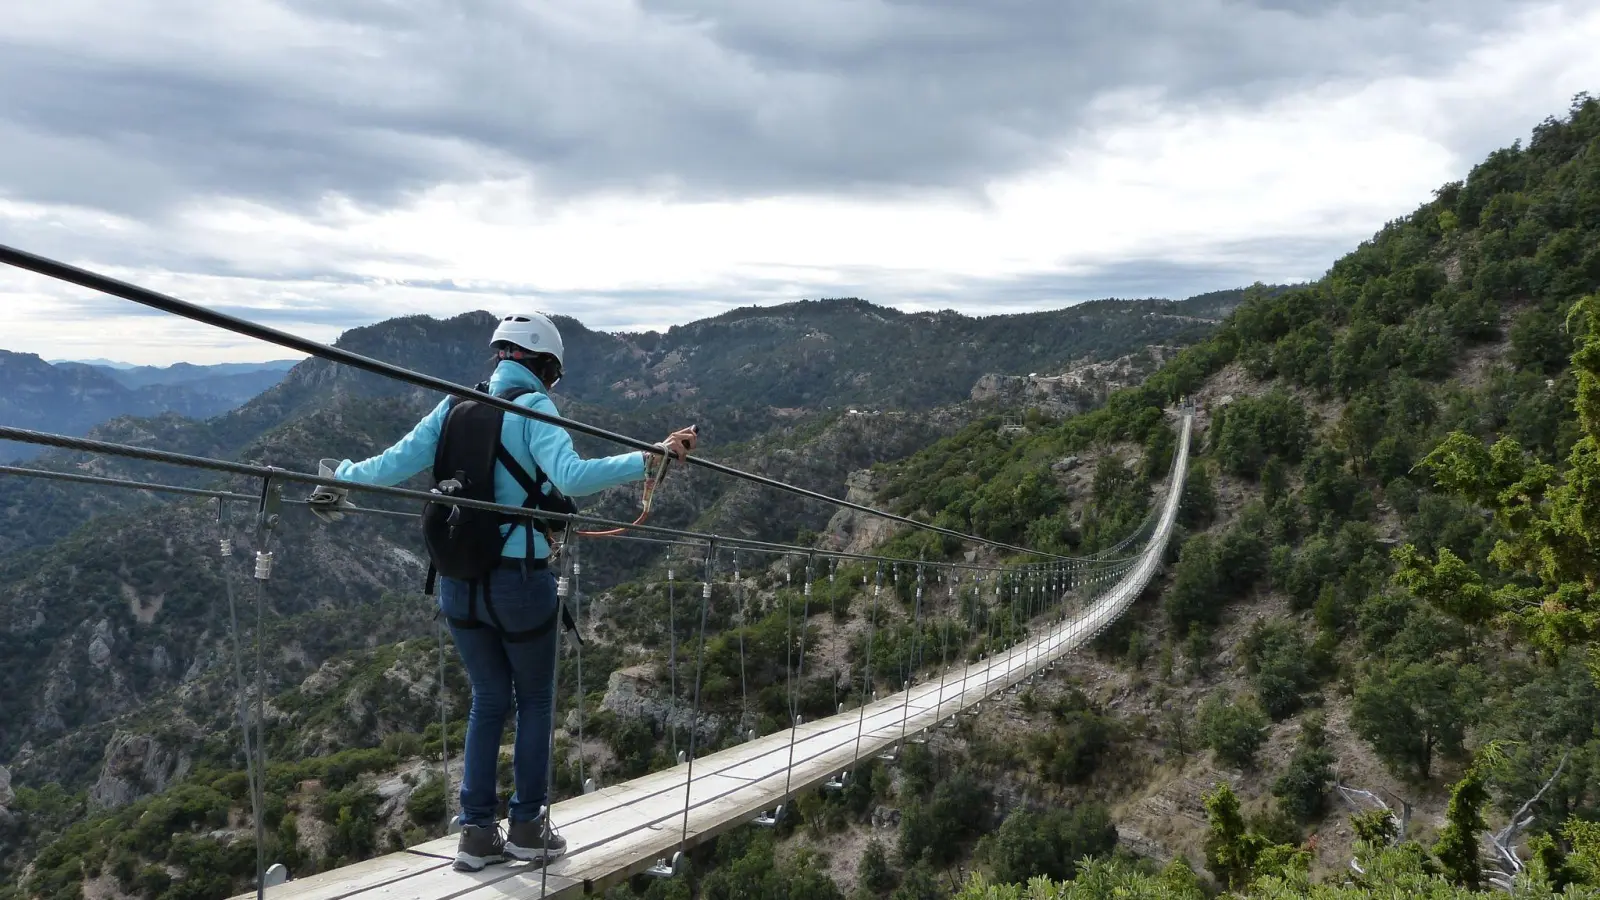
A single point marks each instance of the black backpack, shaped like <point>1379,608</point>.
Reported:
<point>462,542</point>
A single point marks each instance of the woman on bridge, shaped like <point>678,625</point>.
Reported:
<point>510,659</point>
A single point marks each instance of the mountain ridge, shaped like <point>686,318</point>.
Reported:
<point>75,398</point>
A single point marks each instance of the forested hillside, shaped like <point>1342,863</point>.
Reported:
<point>1390,579</point>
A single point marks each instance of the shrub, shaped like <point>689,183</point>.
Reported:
<point>1234,730</point>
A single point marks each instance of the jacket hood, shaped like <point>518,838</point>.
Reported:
<point>510,373</point>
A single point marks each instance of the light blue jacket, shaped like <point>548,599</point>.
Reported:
<point>530,442</point>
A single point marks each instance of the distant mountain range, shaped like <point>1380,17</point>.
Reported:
<point>133,376</point>
<point>70,397</point>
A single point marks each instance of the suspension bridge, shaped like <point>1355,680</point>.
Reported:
<point>648,824</point>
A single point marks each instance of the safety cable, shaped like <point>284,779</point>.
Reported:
<point>88,445</point>
<point>145,297</point>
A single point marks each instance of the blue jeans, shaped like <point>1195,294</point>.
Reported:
<point>506,674</point>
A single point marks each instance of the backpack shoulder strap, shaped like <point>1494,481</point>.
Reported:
<point>533,485</point>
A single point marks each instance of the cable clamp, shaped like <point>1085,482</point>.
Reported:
<point>263,565</point>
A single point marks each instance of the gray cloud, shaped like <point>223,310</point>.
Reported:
<point>713,98</point>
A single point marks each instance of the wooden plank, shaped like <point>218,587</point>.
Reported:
<point>511,877</point>
<point>356,878</point>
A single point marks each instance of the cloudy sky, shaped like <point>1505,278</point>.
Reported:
<point>319,164</point>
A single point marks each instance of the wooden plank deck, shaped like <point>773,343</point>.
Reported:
<point>619,831</point>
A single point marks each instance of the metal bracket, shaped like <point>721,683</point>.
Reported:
<point>268,514</point>
<point>770,818</point>
<point>665,869</point>
<point>224,540</point>
<point>276,873</point>
<point>269,511</point>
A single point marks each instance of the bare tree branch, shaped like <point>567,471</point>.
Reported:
<point>1355,796</point>
<point>1504,841</point>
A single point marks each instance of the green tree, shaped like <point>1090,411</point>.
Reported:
<point>1071,750</point>
<point>1252,429</point>
<point>1551,517</point>
<point>1279,663</point>
<point>1049,843</point>
<point>936,829</point>
<point>1457,847</point>
<point>919,883</point>
<point>1231,851</point>
<point>1234,729</point>
<point>1302,789</point>
<point>874,875</point>
<point>1410,711</point>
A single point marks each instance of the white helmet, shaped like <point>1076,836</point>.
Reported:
<point>530,331</point>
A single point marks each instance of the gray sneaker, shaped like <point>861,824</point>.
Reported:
<point>535,841</point>
<point>480,846</point>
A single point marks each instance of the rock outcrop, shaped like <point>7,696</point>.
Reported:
<point>135,765</point>
<point>857,532</point>
<point>1079,388</point>
<point>632,693</point>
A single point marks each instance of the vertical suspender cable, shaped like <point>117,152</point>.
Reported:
<point>972,630</point>
<point>577,613</point>
<point>916,632</point>
<point>267,521</point>
<point>866,672</point>
<point>699,668</point>
<point>563,590</point>
<point>944,650</point>
<point>794,709</point>
<point>672,660</point>
<point>788,639</point>
<point>252,776</point>
<point>744,621</point>
<point>444,728</point>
